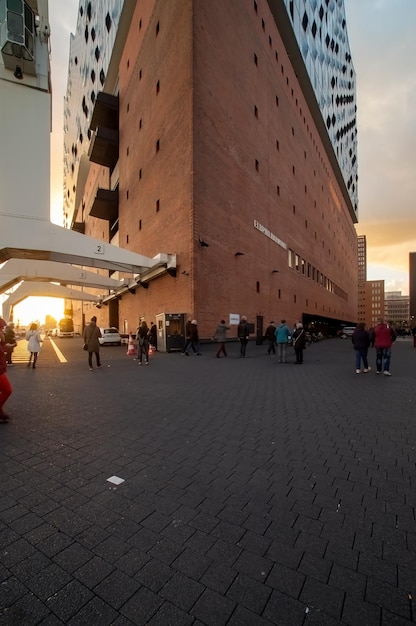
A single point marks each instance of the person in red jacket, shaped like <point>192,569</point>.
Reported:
<point>5,386</point>
<point>382,338</point>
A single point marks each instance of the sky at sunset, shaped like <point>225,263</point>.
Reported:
<point>383,47</point>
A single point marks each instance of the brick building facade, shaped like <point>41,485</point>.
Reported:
<point>221,162</point>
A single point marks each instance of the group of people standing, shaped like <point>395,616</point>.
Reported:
<point>7,344</point>
<point>381,337</point>
<point>281,336</point>
<point>145,337</point>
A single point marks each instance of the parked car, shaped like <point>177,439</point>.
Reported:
<point>110,336</point>
<point>347,331</point>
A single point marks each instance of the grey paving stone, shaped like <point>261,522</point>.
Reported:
<point>213,609</point>
<point>15,552</point>
<point>249,593</point>
<point>388,597</point>
<point>312,565</point>
<point>51,580</point>
<point>192,564</point>
<point>93,572</point>
<point>154,574</point>
<point>281,609</point>
<point>389,619</point>
<point>96,611</point>
<point>286,580</point>
<point>244,617</point>
<point>34,564</point>
<point>73,557</point>
<point>182,591</point>
<point>377,568</point>
<point>142,606</point>
<point>347,580</point>
<point>117,588</point>
<point>170,614</point>
<point>27,610</point>
<point>319,596</point>
<point>67,601</point>
<point>356,611</point>
<point>11,589</point>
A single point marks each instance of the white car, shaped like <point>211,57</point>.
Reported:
<point>110,336</point>
<point>347,331</point>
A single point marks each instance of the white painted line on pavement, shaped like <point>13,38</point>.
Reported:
<point>59,354</point>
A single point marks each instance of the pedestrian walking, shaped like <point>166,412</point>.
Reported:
<point>11,342</point>
<point>142,338</point>
<point>282,340</point>
<point>195,337</point>
<point>5,386</point>
<point>361,341</point>
<point>220,336</point>
<point>243,333</point>
<point>153,336</point>
<point>188,339</point>
<point>34,341</point>
<point>91,339</point>
<point>270,336</point>
<point>299,341</point>
<point>382,338</point>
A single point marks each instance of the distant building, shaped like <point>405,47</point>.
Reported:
<point>374,300</point>
<point>397,308</point>
<point>412,288</point>
<point>362,277</point>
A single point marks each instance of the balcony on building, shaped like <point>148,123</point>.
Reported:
<point>105,205</point>
<point>104,125</point>
<point>79,227</point>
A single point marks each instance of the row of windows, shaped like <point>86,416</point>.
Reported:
<point>298,264</point>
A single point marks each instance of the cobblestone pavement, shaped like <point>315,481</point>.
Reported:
<point>254,492</point>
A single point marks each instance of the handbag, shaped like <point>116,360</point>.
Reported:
<point>85,346</point>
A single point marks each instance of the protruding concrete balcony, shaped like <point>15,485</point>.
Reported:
<point>104,147</point>
<point>106,112</point>
<point>105,205</point>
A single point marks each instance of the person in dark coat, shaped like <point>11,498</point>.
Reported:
<point>142,337</point>
<point>270,336</point>
<point>188,339</point>
<point>220,336</point>
<point>153,336</point>
<point>11,342</point>
<point>299,342</point>
<point>361,341</point>
<point>91,336</point>
<point>243,333</point>
<point>195,337</point>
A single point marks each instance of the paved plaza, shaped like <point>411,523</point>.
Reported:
<point>253,492</point>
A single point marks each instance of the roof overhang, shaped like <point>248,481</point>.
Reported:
<point>38,239</point>
<point>15,271</point>
<point>47,290</point>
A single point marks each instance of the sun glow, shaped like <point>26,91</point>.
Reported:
<point>35,309</point>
